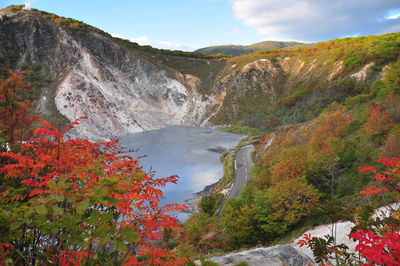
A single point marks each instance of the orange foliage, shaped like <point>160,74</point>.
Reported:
<point>74,25</point>
<point>391,147</point>
<point>324,138</point>
<point>290,200</point>
<point>291,165</point>
<point>378,121</point>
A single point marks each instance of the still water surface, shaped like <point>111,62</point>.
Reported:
<point>192,153</point>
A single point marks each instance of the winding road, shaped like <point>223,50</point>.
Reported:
<point>243,163</point>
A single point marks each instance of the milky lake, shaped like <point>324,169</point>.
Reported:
<point>192,153</point>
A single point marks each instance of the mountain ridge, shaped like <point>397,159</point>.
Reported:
<point>236,50</point>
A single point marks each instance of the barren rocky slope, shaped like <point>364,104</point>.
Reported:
<point>91,75</point>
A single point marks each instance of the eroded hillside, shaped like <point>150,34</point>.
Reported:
<point>88,73</point>
<point>266,89</point>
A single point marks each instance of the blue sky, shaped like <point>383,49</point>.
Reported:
<point>189,24</point>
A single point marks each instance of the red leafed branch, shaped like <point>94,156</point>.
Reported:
<point>382,250</point>
<point>15,116</point>
<point>390,177</point>
<point>64,181</point>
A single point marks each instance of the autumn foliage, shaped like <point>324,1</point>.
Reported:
<point>378,121</point>
<point>390,178</point>
<point>201,234</point>
<point>72,201</point>
<point>15,116</point>
<point>382,249</point>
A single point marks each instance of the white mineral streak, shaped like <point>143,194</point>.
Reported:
<point>125,103</point>
<point>363,73</point>
<point>337,66</point>
<point>262,64</point>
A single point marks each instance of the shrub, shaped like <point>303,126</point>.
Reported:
<point>210,203</point>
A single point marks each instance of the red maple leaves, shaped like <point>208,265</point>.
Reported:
<point>381,246</point>
<point>71,200</point>
<point>378,249</point>
<point>390,177</point>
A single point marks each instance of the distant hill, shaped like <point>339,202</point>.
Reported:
<point>236,50</point>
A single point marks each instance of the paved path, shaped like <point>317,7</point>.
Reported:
<point>243,163</point>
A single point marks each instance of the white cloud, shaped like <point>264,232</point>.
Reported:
<point>28,4</point>
<point>144,40</point>
<point>168,45</point>
<point>394,16</point>
<point>115,35</point>
<point>315,20</point>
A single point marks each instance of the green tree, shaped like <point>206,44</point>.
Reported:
<point>392,78</point>
<point>210,203</point>
<point>283,205</point>
<point>239,224</point>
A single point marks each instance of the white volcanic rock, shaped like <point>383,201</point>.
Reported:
<point>342,231</point>
<point>271,256</point>
<point>142,99</point>
<point>363,73</point>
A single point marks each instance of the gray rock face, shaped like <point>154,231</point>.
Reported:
<point>91,75</point>
<point>272,256</point>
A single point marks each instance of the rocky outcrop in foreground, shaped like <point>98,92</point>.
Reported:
<point>276,255</point>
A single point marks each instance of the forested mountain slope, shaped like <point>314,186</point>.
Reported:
<point>330,114</point>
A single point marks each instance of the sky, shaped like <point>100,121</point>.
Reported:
<point>192,24</point>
